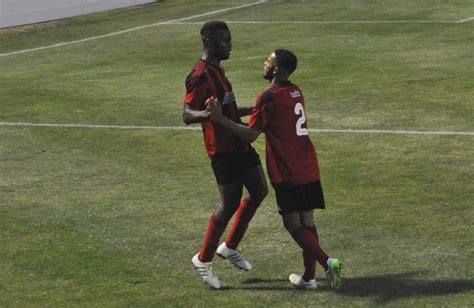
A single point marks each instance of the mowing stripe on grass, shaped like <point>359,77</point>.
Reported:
<point>198,128</point>
<point>182,21</point>
<point>316,22</point>
<point>133,29</point>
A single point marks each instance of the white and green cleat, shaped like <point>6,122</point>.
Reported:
<point>333,273</point>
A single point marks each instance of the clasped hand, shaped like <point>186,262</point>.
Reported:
<point>214,107</point>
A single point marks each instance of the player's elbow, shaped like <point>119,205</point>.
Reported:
<point>252,135</point>
<point>186,118</point>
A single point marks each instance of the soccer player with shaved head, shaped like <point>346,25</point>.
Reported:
<point>234,162</point>
<point>291,162</point>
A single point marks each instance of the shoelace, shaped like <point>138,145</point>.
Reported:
<point>209,272</point>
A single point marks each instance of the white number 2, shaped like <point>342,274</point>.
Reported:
<point>300,130</point>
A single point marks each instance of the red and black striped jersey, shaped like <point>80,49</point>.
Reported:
<point>291,156</point>
<point>204,81</point>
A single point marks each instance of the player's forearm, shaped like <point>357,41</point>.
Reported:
<point>245,111</point>
<point>191,116</point>
<point>245,133</point>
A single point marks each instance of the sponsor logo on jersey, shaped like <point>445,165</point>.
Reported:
<point>295,94</point>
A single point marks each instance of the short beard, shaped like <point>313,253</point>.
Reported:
<point>223,57</point>
<point>269,75</point>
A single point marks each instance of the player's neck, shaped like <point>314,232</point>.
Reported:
<point>279,79</point>
<point>211,59</point>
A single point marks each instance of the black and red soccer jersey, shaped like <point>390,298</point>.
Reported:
<point>204,81</point>
<point>291,156</point>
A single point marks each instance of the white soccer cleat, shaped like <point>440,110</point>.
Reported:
<point>205,270</point>
<point>233,256</point>
<point>299,282</point>
<point>334,272</point>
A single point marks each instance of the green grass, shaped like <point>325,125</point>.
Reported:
<point>104,217</point>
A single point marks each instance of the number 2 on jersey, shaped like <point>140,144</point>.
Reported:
<point>300,130</point>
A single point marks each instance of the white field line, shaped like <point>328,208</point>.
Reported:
<point>173,21</point>
<point>198,128</point>
<point>395,132</point>
<point>99,126</point>
<point>467,19</point>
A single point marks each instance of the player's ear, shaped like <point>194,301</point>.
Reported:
<point>275,70</point>
<point>208,43</point>
<point>211,45</point>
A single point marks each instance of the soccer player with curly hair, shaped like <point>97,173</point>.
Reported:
<point>291,162</point>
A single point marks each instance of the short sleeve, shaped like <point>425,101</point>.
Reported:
<point>196,91</point>
<point>261,114</point>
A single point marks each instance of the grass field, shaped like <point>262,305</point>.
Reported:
<point>112,217</point>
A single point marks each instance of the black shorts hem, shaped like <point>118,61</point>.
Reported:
<point>229,167</point>
<point>299,198</point>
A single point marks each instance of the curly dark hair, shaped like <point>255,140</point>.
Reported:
<point>286,59</point>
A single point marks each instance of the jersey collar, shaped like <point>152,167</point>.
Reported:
<point>282,83</point>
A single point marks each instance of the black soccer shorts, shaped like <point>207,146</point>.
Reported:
<point>229,167</point>
<point>300,198</point>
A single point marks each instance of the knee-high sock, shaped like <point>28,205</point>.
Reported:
<point>308,260</point>
<point>314,232</point>
<point>242,218</point>
<point>214,232</point>
<point>323,256</point>
<point>309,265</point>
<point>307,241</point>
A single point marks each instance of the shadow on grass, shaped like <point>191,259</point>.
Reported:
<point>265,284</point>
<point>383,288</point>
<point>258,280</point>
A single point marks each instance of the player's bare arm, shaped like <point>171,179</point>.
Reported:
<point>191,115</point>
<point>245,133</point>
